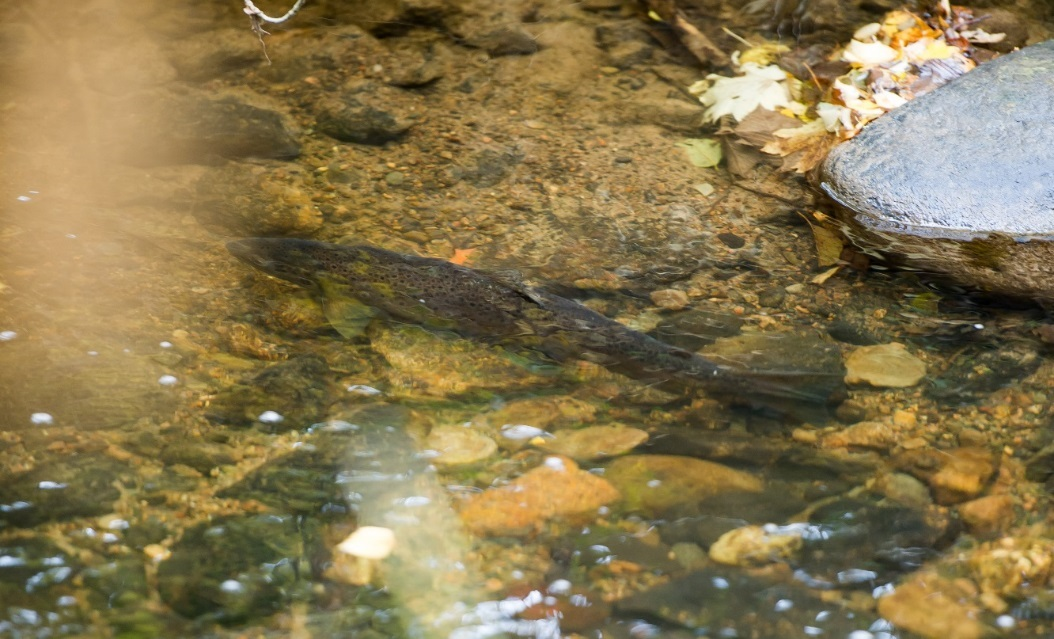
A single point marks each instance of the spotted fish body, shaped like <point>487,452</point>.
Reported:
<point>361,282</point>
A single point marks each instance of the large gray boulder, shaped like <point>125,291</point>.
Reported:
<point>961,180</point>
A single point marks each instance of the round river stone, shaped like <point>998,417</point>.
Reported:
<point>961,180</point>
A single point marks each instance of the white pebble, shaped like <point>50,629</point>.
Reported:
<point>868,31</point>
<point>232,586</point>
<point>362,389</point>
<point>860,634</point>
<point>165,344</point>
<point>783,605</point>
<point>554,463</point>
<point>856,576</point>
<point>167,380</point>
<point>416,501</point>
<point>1006,622</point>
<point>560,587</point>
<point>41,419</point>
<point>270,417</point>
<point>522,431</point>
<point>7,336</point>
<point>333,426</point>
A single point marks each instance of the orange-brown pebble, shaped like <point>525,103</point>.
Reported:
<point>987,516</point>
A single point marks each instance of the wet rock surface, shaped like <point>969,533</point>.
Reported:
<point>884,365</point>
<point>949,612</point>
<point>234,584</point>
<point>361,116</point>
<point>595,442</point>
<point>285,396</point>
<point>679,603</point>
<point>974,205</point>
<point>797,365</point>
<point>556,489</point>
<point>667,485</point>
<point>60,490</point>
<point>240,199</point>
<point>200,129</point>
<point>460,446</point>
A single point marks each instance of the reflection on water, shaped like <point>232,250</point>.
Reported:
<point>185,443</point>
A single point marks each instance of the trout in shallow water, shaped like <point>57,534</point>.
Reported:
<point>360,283</point>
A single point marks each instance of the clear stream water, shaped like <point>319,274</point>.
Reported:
<point>184,442</point>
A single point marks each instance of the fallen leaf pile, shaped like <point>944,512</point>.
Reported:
<point>889,63</point>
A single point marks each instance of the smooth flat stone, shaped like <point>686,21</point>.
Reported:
<point>961,180</point>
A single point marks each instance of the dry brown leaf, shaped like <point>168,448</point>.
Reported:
<point>826,275</point>
<point>793,139</point>
<point>757,129</point>
<point>803,147</point>
<point>809,158</point>
<point>829,244</point>
<point>739,158</point>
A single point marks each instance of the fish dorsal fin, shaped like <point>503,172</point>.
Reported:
<point>513,279</point>
<point>506,276</point>
<point>347,315</point>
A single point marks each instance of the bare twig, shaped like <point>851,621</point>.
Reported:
<point>257,17</point>
<point>691,37</point>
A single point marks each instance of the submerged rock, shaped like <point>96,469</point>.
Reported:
<point>710,599</point>
<point>669,485</point>
<point>234,568</point>
<point>595,442</point>
<point>242,198</point>
<point>557,488</point>
<point>459,446</point>
<point>286,396</point>
<point>161,128</point>
<point>961,191</point>
<point>755,546</point>
<point>80,486</point>
<point>1013,567</point>
<point>884,366</point>
<point>948,610</point>
<point>364,115</point>
<point>954,476</point>
<point>803,367</point>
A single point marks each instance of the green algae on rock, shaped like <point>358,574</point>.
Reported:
<point>959,180</point>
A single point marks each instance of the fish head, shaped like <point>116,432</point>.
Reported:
<point>296,261</point>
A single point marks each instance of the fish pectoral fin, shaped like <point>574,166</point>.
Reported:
<point>347,315</point>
